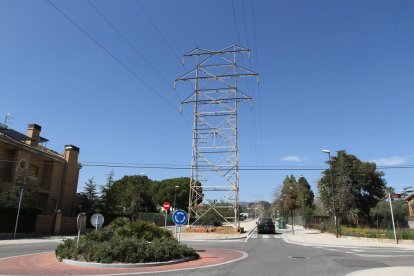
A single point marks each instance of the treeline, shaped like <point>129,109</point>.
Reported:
<point>356,189</point>
<point>132,195</point>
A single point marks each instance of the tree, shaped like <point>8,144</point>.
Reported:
<point>31,198</point>
<point>358,186</point>
<point>381,213</point>
<point>166,189</point>
<point>88,199</point>
<point>305,198</point>
<point>290,194</point>
<point>287,197</point>
<point>107,195</point>
<point>131,195</point>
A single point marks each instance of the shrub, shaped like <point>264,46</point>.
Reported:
<point>217,223</point>
<point>126,242</point>
<point>67,250</point>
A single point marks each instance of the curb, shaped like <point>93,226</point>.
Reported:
<point>127,265</point>
<point>391,241</point>
<point>214,239</point>
<point>47,264</point>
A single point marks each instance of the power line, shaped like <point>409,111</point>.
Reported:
<point>255,133</point>
<point>111,54</point>
<point>129,43</point>
<point>186,167</point>
<point>259,109</point>
<point>243,168</point>
<point>235,21</point>
<point>183,18</point>
<point>137,52</point>
<point>158,31</point>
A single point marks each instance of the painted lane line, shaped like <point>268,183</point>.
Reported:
<point>383,256</point>
<point>250,234</point>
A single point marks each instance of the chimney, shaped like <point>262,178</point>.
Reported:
<point>33,131</point>
<point>71,178</point>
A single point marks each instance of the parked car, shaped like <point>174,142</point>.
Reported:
<point>265,225</point>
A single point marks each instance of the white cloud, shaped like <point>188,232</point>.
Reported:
<point>292,158</point>
<point>391,161</point>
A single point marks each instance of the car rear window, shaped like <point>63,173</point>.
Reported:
<point>266,220</point>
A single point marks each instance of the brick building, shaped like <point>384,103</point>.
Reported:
<point>55,175</point>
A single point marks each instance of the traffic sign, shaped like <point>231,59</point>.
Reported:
<point>180,217</point>
<point>166,205</point>
<point>97,220</point>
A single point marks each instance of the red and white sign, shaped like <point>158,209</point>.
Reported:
<point>166,205</point>
<point>395,195</point>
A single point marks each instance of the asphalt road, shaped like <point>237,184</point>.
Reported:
<point>8,250</point>
<point>271,255</point>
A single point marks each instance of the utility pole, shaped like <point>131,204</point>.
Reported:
<point>215,160</point>
<point>332,193</point>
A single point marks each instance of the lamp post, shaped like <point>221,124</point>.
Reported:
<point>303,202</point>
<point>175,195</point>
<point>332,192</point>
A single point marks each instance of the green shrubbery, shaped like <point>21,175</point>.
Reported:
<point>402,234</point>
<point>125,242</point>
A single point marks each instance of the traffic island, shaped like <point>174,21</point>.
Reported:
<point>125,242</point>
<point>47,264</point>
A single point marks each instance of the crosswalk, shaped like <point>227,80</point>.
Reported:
<point>362,251</point>
<point>373,252</point>
<point>262,236</point>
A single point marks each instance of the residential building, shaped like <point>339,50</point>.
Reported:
<point>52,175</point>
<point>410,201</point>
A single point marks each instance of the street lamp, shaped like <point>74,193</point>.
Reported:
<point>175,195</point>
<point>332,192</point>
<point>302,188</point>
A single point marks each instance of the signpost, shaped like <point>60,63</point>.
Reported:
<point>392,216</point>
<point>179,217</point>
<point>97,220</point>
<point>79,222</point>
<point>166,205</point>
<point>21,168</point>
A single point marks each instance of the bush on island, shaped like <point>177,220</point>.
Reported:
<point>125,242</point>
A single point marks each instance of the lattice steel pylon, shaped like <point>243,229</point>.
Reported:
<point>215,163</point>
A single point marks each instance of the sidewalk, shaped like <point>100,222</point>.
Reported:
<point>247,226</point>
<point>315,237</point>
<point>309,237</point>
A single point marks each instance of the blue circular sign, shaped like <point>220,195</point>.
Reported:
<point>180,217</point>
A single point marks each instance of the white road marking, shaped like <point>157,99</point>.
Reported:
<point>384,256</point>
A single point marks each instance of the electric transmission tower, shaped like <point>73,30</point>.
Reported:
<point>214,166</point>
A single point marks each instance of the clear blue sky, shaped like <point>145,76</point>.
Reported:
<point>333,74</point>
